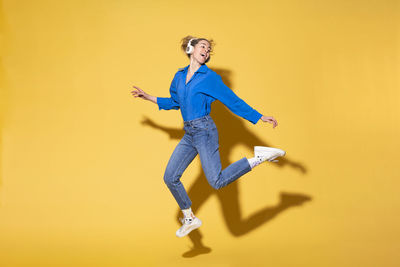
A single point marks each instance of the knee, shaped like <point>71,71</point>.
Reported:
<point>215,184</point>
<point>214,179</point>
<point>167,179</point>
<point>170,177</point>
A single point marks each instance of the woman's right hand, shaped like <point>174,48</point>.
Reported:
<point>143,95</point>
<point>139,93</point>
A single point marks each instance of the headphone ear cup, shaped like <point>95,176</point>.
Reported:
<point>189,49</point>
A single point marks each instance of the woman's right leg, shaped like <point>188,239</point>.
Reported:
<point>182,156</point>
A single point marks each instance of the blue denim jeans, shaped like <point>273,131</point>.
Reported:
<point>201,137</point>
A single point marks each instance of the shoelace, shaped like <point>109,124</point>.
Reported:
<point>185,220</point>
<point>259,161</point>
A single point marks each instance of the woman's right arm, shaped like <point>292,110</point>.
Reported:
<point>166,103</point>
<point>143,95</point>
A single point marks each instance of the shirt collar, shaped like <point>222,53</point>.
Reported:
<point>203,68</point>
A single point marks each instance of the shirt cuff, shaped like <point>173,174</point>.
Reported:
<point>255,116</point>
<point>162,103</point>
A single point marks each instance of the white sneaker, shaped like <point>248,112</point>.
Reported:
<point>265,153</point>
<point>189,224</point>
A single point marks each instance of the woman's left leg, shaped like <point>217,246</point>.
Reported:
<point>207,145</point>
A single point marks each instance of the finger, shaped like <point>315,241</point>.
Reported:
<point>140,90</point>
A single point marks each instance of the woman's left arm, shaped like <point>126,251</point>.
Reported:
<point>224,94</point>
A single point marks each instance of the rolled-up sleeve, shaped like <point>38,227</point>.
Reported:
<point>235,104</point>
<point>172,102</point>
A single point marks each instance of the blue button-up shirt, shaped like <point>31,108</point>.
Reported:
<point>195,97</point>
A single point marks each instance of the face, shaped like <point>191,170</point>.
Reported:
<point>201,51</point>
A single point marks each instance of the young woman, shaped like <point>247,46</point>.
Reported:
<point>192,90</point>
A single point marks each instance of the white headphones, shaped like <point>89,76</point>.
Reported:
<point>190,47</point>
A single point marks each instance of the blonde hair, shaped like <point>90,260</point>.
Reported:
<point>185,40</point>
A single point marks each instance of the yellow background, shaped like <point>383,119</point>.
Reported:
<point>82,160</point>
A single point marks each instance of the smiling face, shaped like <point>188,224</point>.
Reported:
<point>201,51</point>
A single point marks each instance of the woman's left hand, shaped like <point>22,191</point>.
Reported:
<point>270,119</point>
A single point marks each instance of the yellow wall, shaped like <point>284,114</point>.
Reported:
<point>82,160</point>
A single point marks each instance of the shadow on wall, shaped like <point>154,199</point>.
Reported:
<point>227,124</point>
